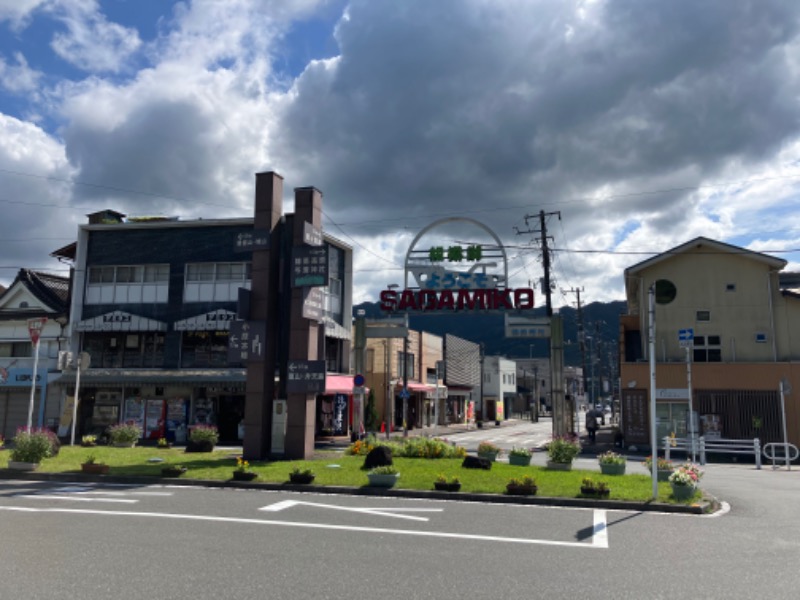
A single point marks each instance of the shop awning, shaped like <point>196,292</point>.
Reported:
<point>338,384</point>
<point>97,377</point>
<point>416,386</point>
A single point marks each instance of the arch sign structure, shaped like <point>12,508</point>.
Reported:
<point>456,277</point>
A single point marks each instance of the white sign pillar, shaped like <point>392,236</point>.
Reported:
<point>35,327</point>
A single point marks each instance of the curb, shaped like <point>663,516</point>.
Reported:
<point>706,506</point>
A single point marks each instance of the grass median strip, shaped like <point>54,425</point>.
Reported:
<point>335,469</point>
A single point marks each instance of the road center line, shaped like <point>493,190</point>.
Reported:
<point>379,530</point>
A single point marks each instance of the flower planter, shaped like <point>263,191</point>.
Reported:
<point>173,471</point>
<point>446,486</point>
<point>521,490</point>
<point>301,478</point>
<point>94,468</point>
<point>612,469</point>
<point>519,461</point>
<point>244,475</point>
<point>663,475</point>
<point>382,480</point>
<point>557,466</point>
<point>492,456</point>
<point>594,492</point>
<point>19,465</point>
<point>683,492</point>
<point>123,444</point>
<point>203,446</point>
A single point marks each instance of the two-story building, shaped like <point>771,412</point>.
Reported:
<point>153,302</point>
<point>32,295</point>
<point>394,365</point>
<point>745,324</point>
<point>499,390</point>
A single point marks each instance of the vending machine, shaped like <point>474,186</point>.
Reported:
<point>154,419</point>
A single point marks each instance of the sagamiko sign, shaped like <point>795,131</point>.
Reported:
<point>457,277</point>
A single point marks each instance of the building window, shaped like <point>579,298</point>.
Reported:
<point>730,287</point>
<point>409,364</point>
<point>215,282</point>
<point>703,315</point>
<point>125,350</point>
<point>127,284</point>
<point>370,366</point>
<point>16,349</point>
<point>707,348</point>
<point>204,349</point>
<point>761,338</point>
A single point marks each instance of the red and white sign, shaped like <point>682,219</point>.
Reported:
<point>35,327</point>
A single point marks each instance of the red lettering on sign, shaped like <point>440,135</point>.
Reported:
<point>446,301</point>
<point>408,301</point>
<point>388,300</point>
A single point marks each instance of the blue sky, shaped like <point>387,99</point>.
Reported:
<point>644,123</point>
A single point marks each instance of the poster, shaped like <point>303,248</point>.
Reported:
<point>154,420</point>
<point>134,412</point>
<point>176,420</point>
<point>339,411</point>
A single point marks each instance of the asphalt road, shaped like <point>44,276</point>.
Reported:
<point>102,541</point>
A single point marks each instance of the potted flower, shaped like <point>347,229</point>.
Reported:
<point>443,484</point>
<point>31,447</point>
<point>599,489</point>
<point>611,463</point>
<point>2,442</point>
<point>303,477</point>
<point>664,467</point>
<point>561,451</point>
<point>523,486</point>
<point>89,441</point>
<point>520,457</point>
<point>173,471</point>
<point>94,466</point>
<point>124,435</point>
<point>202,438</point>
<point>684,480</point>
<point>163,443</point>
<point>384,477</point>
<point>489,450</point>
<point>243,472</point>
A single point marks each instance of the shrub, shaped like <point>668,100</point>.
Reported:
<point>488,447</point>
<point>204,433</point>
<point>34,445</point>
<point>430,448</point>
<point>563,449</point>
<point>124,433</point>
<point>611,458</point>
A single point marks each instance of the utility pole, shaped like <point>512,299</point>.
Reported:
<point>556,329</point>
<point>581,337</point>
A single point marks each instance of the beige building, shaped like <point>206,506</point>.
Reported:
<point>384,374</point>
<point>745,319</point>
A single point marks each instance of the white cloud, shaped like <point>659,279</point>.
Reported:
<point>19,12</point>
<point>20,77</point>
<point>91,42</point>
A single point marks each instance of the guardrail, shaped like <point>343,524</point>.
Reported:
<point>715,445</point>
<point>788,450</point>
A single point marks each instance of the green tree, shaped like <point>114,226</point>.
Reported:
<point>370,414</point>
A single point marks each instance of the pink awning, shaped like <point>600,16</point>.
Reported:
<point>339,384</point>
<point>416,386</point>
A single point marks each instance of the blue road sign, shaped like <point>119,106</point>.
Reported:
<point>686,337</point>
<point>359,380</point>
<point>404,394</point>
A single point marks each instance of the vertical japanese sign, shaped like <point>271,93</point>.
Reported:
<point>246,341</point>
<point>309,266</point>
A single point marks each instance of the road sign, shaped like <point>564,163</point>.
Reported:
<point>246,341</point>
<point>313,303</point>
<point>312,236</point>
<point>359,380</point>
<point>686,338</point>
<point>35,327</point>
<point>527,327</point>
<point>404,394</point>
<point>309,266</point>
<point>247,241</point>
<point>305,377</point>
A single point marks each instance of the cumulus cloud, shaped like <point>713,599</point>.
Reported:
<point>454,106</point>
<point>91,42</point>
<point>639,125</point>
<point>18,12</point>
